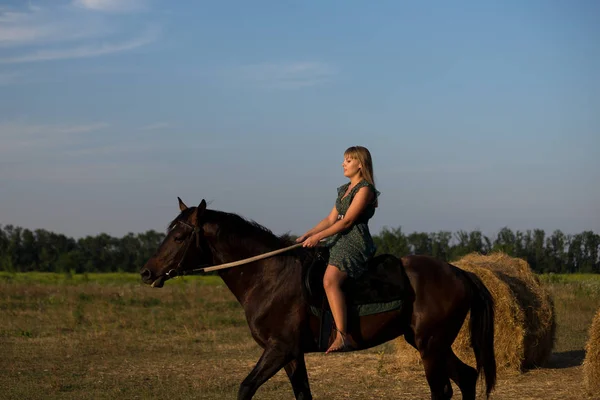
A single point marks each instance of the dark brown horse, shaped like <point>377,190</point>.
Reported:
<point>271,292</point>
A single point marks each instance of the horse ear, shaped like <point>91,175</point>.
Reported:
<point>182,205</point>
<point>200,211</point>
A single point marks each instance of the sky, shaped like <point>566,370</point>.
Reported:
<point>478,115</point>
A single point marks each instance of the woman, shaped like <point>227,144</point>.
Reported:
<point>351,245</point>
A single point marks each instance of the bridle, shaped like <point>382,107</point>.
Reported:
<point>196,232</point>
<point>178,270</point>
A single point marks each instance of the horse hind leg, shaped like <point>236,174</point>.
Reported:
<point>463,375</point>
<point>447,391</point>
<point>437,376</point>
<point>296,371</point>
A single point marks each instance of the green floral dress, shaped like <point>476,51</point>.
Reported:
<point>350,250</point>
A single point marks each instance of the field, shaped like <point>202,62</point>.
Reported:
<point>107,336</point>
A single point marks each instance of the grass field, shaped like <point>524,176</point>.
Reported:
<point>105,336</point>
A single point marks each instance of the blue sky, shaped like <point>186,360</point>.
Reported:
<point>479,115</point>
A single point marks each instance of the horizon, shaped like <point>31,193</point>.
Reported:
<point>490,235</point>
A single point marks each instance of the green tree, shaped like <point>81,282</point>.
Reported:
<point>14,248</point>
<point>589,252</point>
<point>506,242</point>
<point>420,243</point>
<point>556,256</point>
<point>28,255</point>
<point>392,241</point>
<point>469,242</point>
<point>440,244</point>
<point>536,258</point>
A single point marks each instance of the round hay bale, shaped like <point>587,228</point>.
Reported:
<point>591,364</point>
<point>508,334</point>
<point>524,316</point>
<point>509,322</point>
<point>533,299</point>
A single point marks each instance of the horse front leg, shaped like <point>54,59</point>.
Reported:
<point>296,371</point>
<point>271,361</point>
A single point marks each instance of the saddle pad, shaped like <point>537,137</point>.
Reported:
<point>381,288</point>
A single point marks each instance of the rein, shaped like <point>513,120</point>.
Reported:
<point>196,232</point>
<point>245,260</point>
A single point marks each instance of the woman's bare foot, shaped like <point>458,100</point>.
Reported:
<point>343,342</point>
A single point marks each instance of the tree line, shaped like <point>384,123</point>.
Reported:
<point>23,250</point>
<point>558,252</point>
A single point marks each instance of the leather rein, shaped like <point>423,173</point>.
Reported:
<point>196,233</point>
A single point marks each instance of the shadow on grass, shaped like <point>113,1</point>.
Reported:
<point>565,359</point>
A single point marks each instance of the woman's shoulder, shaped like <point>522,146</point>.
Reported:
<point>367,184</point>
<point>342,189</point>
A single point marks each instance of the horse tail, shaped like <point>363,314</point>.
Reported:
<point>482,329</point>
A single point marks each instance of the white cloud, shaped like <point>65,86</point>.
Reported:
<point>23,141</point>
<point>19,139</point>
<point>8,130</point>
<point>11,35</point>
<point>112,5</point>
<point>84,153</point>
<point>35,34</point>
<point>287,75</point>
<point>82,51</point>
<point>113,149</point>
<point>88,173</point>
<point>36,26</point>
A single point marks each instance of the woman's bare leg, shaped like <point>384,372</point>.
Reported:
<point>332,282</point>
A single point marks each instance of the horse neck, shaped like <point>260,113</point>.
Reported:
<point>243,279</point>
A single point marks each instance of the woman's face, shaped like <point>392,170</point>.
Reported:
<point>351,166</point>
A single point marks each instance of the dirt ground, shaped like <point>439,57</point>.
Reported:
<point>372,374</point>
<point>191,341</point>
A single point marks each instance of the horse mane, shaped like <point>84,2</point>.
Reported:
<point>235,228</point>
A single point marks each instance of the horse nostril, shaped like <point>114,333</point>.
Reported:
<point>146,274</point>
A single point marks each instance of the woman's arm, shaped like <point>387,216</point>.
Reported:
<point>324,224</point>
<point>361,200</point>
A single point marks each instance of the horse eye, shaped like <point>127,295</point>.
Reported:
<point>178,239</point>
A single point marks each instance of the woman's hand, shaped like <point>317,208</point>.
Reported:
<point>301,238</point>
<point>311,241</point>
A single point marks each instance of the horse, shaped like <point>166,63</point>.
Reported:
<point>437,298</point>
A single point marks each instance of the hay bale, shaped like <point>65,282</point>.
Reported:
<point>509,321</point>
<point>406,355</point>
<point>591,364</point>
<point>533,299</point>
<point>508,341</point>
<point>524,318</point>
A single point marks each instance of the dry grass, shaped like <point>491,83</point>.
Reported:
<point>63,340</point>
<point>591,365</point>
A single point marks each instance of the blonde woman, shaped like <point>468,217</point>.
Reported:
<point>351,244</point>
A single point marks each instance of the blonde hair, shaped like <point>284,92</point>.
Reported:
<point>363,155</point>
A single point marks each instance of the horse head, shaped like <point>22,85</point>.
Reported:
<point>184,242</point>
